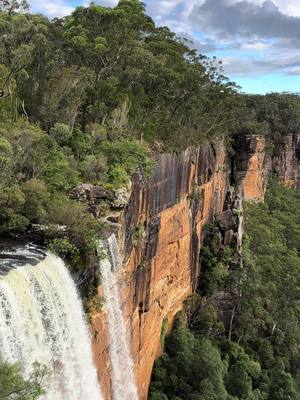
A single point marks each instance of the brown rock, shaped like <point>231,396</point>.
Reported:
<point>228,237</point>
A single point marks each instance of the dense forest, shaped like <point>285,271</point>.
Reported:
<point>257,356</point>
<point>89,98</point>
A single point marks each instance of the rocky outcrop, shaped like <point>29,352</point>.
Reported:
<point>97,198</point>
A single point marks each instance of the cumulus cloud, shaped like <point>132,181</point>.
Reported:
<point>203,46</point>
<point>245,19</point>
<point>237,66</point>
<point>266,37</point>
<point>61,8</point>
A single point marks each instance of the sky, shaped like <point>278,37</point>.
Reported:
<point>257,40</point>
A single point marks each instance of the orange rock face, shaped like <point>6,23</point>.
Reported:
<point>162,266</point>
<point>254,182</point>
<point>252,167</point>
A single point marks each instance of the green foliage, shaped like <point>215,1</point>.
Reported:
<point>36,200</point>
<point>215,268</point>
<point>13,386</point>
<point>192,368</point>
<point>163,332</point>
<point>139,233</point>
<point>125,157</point>
<point>11,201</point>
<point>61,133</point>
<point>79,247</point>
<point>94,168</point>
<point>202,316</point>
<point>94,304</point>
<point>64,249</point>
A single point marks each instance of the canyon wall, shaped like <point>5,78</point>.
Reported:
<point>161,231</point>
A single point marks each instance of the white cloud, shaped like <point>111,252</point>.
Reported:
<point>173,13</point>
<point>60,8</point>
<point>255,45</point>
<point>54,8</point>
<point>289,7</point>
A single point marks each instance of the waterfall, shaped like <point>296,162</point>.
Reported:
<point>41,319</point>
<point>123,382</point>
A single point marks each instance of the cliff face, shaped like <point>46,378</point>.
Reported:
<point>160,236</point>
<point>285,162</point>
<point>161,232</point>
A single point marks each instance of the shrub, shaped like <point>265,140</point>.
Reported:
<point>64,249</point>
<point>125,158</point>
<point>61,133</point>
<point>36,200</point>
<point>163,332</point>
<point>93,168</point>
<point>14,386</point>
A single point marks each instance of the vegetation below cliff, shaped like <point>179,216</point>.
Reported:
<point>240,337</point>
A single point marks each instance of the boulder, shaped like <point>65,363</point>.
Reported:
<point>95,197</point>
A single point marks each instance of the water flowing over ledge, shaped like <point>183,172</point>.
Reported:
<point>41,319</point>
<point>123,381</point>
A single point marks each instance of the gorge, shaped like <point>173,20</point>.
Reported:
<point>149,216</point>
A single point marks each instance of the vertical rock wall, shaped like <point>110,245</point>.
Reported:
<point>161,235</point>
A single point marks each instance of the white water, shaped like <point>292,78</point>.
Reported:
<point>41,319</point>
<point>123,381</point>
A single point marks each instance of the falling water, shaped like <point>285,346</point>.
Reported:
<point>123,382</point>
<point>41,319</point>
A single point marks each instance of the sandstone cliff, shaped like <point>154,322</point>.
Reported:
<point>161,232</point>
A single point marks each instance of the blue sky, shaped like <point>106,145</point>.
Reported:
<point>258,40</point>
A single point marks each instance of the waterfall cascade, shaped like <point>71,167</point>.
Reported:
<point>123,381</point>
<point>41,319</point>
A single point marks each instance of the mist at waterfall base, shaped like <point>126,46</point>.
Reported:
<point>41,319</point>
<point>123,382</point>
